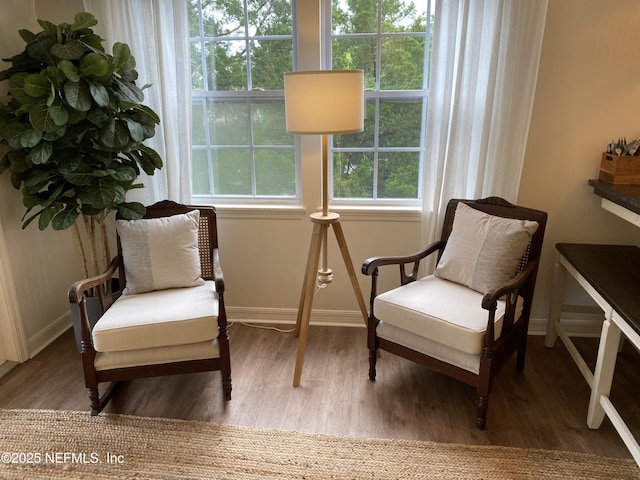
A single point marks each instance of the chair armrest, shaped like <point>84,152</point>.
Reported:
<point>490,299</point>
<point>217,271</point>
<point>78,289</point>
<point>370,265</point>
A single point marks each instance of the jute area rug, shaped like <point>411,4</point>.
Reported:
<point>62,444</point>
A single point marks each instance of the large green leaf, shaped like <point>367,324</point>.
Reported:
<point>93,41</point>
<point>77,96</point>
<point>29,201</point>
<point>65,219</point>
<point>152,155</point>
<point>103,194</point>
<point>53,194</point>
<point>41,153</point>
<point>26,35</point>
<point>141,108</point>
<point>128,91</point>
<point>94,65</point>
<point>98,118</point>
<point>56,135</point>
<point>50,29</point>
<point>83,20</point>
<point>114,134</point>
<point>79,179</point>
<point>71,50</point>
<point>131,210</point>
<point>39,48</point>
<point>58,113</point>
<point>37,85</point>
<point>37,179</point>
<point>30,138</point>
<point>41,118</point>
<point>72,164</point>
<point>45,217</point>
<point>124,62</point>
<point>70,70</point>
<point>103,172</point>
<point>135,129</point>
<point>12,133</point>
<point>99,93</point>
<point>124,173</point>
<point>16,88</point>
<point>19,163</point>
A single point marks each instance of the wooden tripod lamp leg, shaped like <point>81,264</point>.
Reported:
<point>306,299</point>
<point>342,243</point>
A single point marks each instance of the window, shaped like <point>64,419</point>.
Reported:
<point>390,40</point>
<point>240,50</point>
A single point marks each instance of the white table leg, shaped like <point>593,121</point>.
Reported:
<point>555,303</point>
<point>603,374</point>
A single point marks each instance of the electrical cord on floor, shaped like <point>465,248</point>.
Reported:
<point>319,285</point>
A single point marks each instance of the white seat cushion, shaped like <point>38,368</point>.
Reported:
<point>162,318</point>
<point>445,312</point>
<point>437,350</point>
<point>159,355</point>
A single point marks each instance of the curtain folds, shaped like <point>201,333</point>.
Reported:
<point>158,33</point>
<point>484,67</point>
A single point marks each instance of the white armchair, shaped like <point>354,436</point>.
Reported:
<point>171,316</point>
<point>468,317</point>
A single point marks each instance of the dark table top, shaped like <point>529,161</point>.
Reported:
<point>613,271</point>
<point>627,196</point>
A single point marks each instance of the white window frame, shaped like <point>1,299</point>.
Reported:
<point>249,96</point>
<point>377,96</point>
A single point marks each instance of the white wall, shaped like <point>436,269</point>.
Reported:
<point>588,93</point>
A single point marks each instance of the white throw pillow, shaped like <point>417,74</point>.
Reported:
<point>160,253</point>
<point>484,250</point>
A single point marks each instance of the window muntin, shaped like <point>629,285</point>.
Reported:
<point>390,40</point>
<point>240,50</point>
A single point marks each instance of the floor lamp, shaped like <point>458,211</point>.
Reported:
<point>323,103</point>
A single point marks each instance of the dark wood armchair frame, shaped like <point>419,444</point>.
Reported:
<point>514,333</point>
<point>102,286</point>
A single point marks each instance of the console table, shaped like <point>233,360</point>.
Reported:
<point>610,274</point>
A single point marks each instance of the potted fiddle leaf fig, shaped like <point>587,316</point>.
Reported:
<point>75,127</point>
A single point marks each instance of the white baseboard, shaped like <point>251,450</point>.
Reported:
<point>288,316</point>
<point>48,335</point>
<point>583,326</point>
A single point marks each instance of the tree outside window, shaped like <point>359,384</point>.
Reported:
<point>240,51</point>
<point>390,40</point>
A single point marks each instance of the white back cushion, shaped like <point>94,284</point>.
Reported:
<point>484,250</point>
<point>160,253</point>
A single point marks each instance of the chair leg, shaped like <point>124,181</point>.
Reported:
<point>522,350</point>
<point>226,385</point>
<point>484,389</point>
<point>98,403</point>
<point>373,356</point>
<point>94,399</point>
<point>483,404</point>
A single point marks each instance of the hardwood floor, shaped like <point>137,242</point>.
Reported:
<point>543,407</point>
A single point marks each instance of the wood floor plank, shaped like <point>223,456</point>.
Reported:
<point>543,407</point>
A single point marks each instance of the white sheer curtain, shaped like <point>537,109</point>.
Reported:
<point>483,76</point>
<point>158,33</point>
